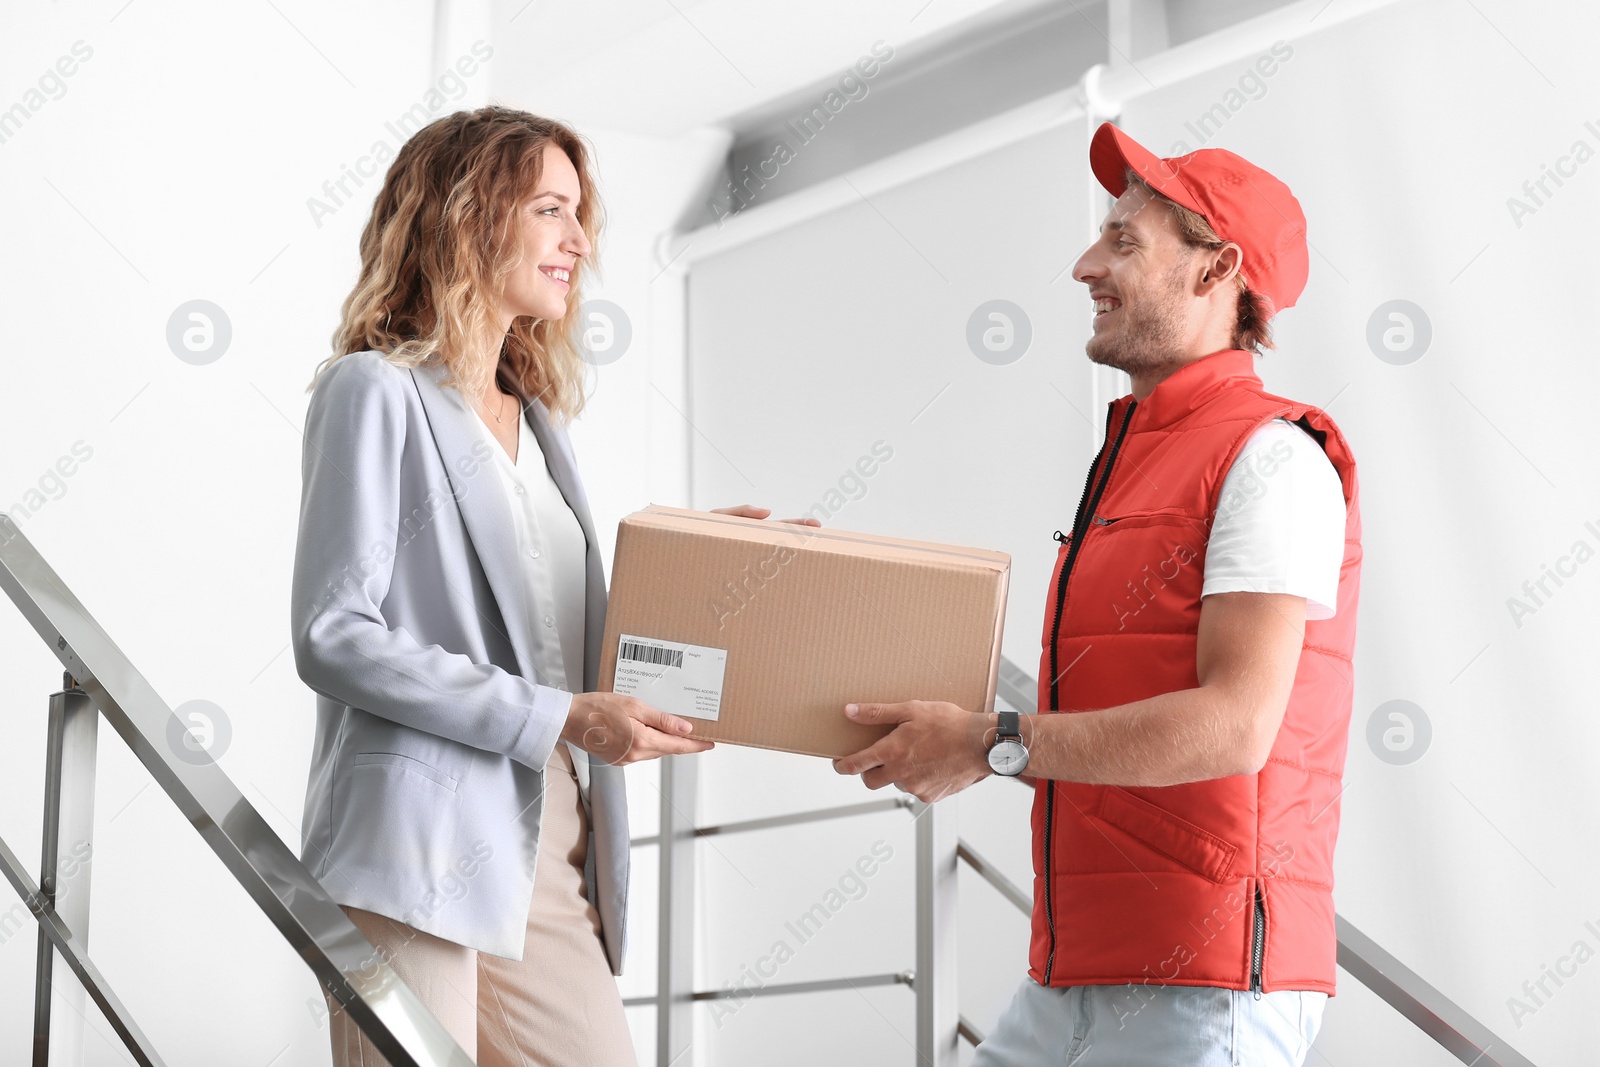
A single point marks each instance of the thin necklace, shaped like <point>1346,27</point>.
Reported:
<point>497,407</point>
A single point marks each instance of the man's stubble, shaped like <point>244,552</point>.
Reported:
<point>1150,335</point>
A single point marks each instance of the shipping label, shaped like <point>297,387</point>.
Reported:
<point>675,677</point>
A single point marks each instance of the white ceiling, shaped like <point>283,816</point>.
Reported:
<point>663,67</point>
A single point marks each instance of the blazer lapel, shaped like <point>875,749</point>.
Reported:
<point>483,505</point>
<point>559,461</point>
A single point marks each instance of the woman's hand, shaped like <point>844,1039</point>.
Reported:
<point>622,729</point>
<point>750,511</point>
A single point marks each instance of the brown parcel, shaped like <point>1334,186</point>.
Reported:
<point>760,631</point>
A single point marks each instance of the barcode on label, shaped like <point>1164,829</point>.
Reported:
<point>671,657</point>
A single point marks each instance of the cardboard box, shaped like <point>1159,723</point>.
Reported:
<point>761,631</point>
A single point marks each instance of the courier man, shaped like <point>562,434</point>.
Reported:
<point>1195,677</point>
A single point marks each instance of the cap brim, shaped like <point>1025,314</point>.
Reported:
<point>1112,153</point>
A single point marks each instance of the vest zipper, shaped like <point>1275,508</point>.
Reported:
<point>1086,506</point>
<point>1258,948</point>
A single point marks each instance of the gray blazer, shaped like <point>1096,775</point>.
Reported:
<point>410,623</point>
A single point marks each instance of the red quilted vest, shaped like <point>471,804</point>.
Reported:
<point>1227,882</point>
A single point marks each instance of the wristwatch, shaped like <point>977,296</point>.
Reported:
<point>1007,754</point>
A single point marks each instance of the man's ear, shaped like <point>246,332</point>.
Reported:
<point>1219,267</point>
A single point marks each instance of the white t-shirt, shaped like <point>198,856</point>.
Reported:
<point>1280,520</point>
<point>551,548</point>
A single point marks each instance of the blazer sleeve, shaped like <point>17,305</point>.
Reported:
<point>343,648</point>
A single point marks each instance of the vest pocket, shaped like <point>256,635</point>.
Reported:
<point>1147,517</point>
<point>1178,839</point>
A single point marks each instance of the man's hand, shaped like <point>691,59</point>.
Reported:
<point>936,749</point>
<point>751,511</point>
<point>622,729</point>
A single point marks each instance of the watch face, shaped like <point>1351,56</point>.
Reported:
<point>1008,757</point>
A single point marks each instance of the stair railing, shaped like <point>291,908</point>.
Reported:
<point>100,681</point>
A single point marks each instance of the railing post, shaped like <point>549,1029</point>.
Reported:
<point>64,867</point>
<point>675,935</point>
<point>938,1015</point>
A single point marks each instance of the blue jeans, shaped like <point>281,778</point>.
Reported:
<point>1152,1026</point>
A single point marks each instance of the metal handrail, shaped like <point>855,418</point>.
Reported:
<point>55,933</point>
<point>344,962</point>
<point>1436,1015</point>
<point>819,985</point>
<point>992,875</point>
<point>792,819</point>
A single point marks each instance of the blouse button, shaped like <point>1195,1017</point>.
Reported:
<point>534,552</point>
<point>549,621</point>
<point>520,490</point>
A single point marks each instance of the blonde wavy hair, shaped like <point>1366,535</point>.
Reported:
<point>437,249</point>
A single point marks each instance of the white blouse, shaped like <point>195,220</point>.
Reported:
<point>551,546</point>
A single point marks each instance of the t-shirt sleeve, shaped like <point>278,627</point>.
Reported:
<point>1280,519</point>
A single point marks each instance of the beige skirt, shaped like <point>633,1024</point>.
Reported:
<point>556,1007</point>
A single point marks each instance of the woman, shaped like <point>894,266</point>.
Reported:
<point>448,605</point>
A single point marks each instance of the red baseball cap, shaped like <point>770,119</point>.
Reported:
<point>1242,202</point>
